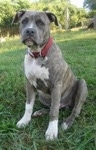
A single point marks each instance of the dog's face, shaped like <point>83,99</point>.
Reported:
<point>34,26</point>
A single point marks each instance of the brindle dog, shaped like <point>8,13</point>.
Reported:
<point>47,72</point>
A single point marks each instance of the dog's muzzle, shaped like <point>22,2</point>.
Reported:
<point>29,37</point>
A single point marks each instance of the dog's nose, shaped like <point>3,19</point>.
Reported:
<point>30,31</point>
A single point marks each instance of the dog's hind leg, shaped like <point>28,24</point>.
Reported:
<point>79,97</point>
<point>40,112</point>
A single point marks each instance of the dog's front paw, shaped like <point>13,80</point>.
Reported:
<point>23,122</point>
<point>52,131</point>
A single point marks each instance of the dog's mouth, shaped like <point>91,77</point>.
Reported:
<point>29,42</point>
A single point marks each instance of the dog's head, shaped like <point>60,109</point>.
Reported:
<point>34,26</point>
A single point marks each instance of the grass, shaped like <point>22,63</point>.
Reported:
<point>79,50</point>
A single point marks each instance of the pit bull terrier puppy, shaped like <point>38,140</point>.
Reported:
<point>47,72</point>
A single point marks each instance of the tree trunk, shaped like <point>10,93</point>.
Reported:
<point>67,19</point>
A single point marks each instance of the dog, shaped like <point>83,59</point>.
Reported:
<point>47,72</point>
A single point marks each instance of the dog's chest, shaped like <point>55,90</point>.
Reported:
<point>35,69</point>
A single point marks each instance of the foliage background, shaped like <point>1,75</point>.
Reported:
<point>9,7</point>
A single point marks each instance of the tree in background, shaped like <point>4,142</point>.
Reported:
<point>9,7</point>
<point>72,15</point>
<point>68,15</point>
<point>91,5</point>
<point>6,12</point>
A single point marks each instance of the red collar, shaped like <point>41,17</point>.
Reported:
<point>44,51</point>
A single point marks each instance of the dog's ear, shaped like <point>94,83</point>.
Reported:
<point>18,15</point>
<point>52,18</point>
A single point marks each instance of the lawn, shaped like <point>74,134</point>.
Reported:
<point>79,50</point>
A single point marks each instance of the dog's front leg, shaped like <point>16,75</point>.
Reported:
<point>52,130</point>
<point>28,106</point>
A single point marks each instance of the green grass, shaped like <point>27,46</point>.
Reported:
<point>79,50</point>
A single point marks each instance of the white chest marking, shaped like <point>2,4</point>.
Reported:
<point>34,71</point>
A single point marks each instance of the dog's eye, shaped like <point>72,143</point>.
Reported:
<point>40,22</point>
<point>25,21</point>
